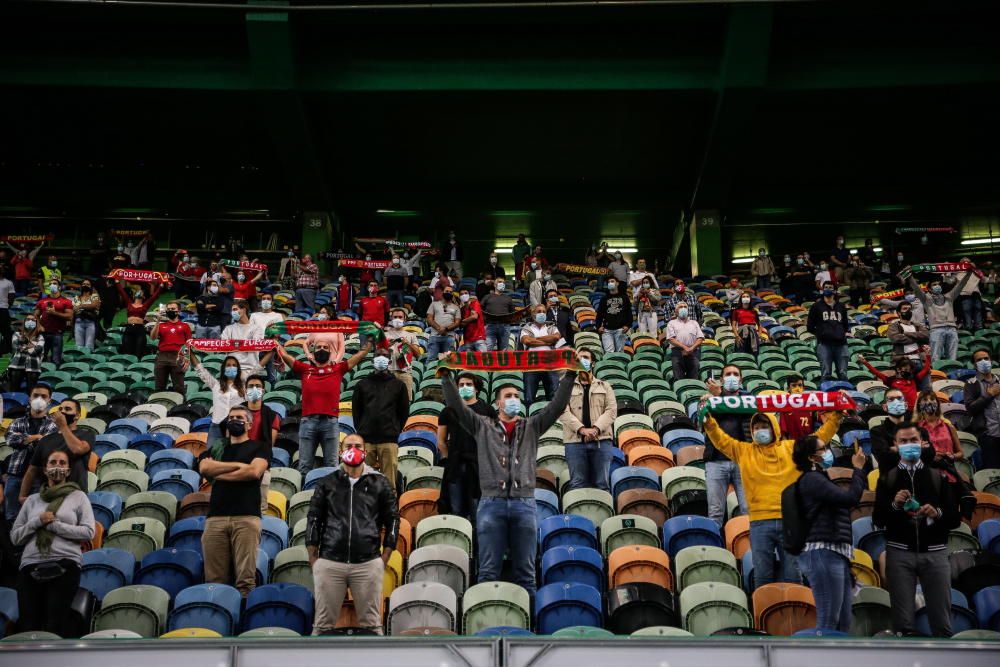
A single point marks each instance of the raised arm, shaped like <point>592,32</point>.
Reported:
<point>359,356</point>
<point>957,289</point>
<point>829,427</point>
<point>726,444</point>
<point>550,413</point>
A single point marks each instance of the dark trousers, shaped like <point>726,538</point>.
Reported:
<point>18,375</point>
<point>686,367</point>
<point>45,606</point>
<point>166,366</point>
<point>134,340</point>
<point>990,447</point>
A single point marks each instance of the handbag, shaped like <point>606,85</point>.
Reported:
<point>45,572</point>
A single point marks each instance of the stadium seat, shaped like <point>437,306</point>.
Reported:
<point>421,605</point>
<point>140,609</point>
<point>987,603</point>
<point>638,564</point>
<point>158,505</point>
<point>298,506</point>
<point>109,442</point>
<point>593,504</point>
<point>288,606</point>
<point>635,606</point>
<point>784,609</point>
<point>581,565</point>
<point>650,504</point>
<point>286,481</point>
<point>962,617</point>
<point>708,607</point>
<point>168,459</point>
<point>139,536</point>
<point>410,457</point>
<point>546,501</point>
<point>291,566</point>
<point>632,477</point>
<point>193,504</point>
<point>106,569</point>
<point>186,533</point>
<point>872,612</point>
<point>273,535</point>
<point>107,507</point>
<point>566,605</point>
<point>988,533</point>
<point>424,477</point>
<point>654,457</point>
<point>120,459</point>
<point>32,636</point>
<point>682,478</point>
<point>445,529</point>
<point>627,529</point>
<point>503,631</point>
<point>418,504</point>
<point>177,481</point>
<point>659,632</point>
<point>686,531</point>
<point>553,459</point>
<point>442,563</point>
<point>698,564</point>
<point>737,532</point>
<point>583,632</point>
<point>173,570</point>
<point>277,504</point>
<point>150,443</point>
<point>867,537</point>
<point>129,427</point>
<point>125,483</point>
<point>987,507</point>
<point>212,606</point>
<point>566,530</point>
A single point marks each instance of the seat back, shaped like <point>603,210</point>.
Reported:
<point>637,563</point>
<point>137,608</point>
<point>784,609</point>
<point>106,569</point>
<point>214,607</point>
<point>704,563</point>
<point>442,563</point>
<point>139,536</point>
<point>593,504</point>
<point>445,529</point>
<point>625,529</point>
<point>708,607</point>
<point>158,505</point>
<point>567,605</point>
<point>279,605</point>
<point>421,605</point>
<point>291,566</point>
<point>495,604</point>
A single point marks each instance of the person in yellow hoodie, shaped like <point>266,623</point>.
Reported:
<point>767,468</point>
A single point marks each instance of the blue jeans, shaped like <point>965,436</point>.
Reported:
<point>84,332</point>
<point>829,576</point>
<point>589,464</point>
<point>318,430</point>
<point>497,336</point>
<point>830,354</point>
<point>531,381</point>
<point>439,344</point>
<point>507,525</point>
<point>972,311</point>
<point>944,343</point>
<point>207,332</point>
<point>305,298</point>
<point>54,347</point>
<point>613,340</point>
<point>924,383</point>
<point>766,539</point>
<point>718,476</point>
<point>457,500</point>
<point>474,346</point>
<point>11,492</point>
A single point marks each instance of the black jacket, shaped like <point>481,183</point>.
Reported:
<point>976,401</point>
<point>829,506</point>
<point>267,416</point>
<point>345,521</point>
<point>902,530</point>
<point>614,311</point>
<point>214,317</point>
<point>562,318</point>
<point>883,437</point>
<point>381,407</point>
<point>828,323</point>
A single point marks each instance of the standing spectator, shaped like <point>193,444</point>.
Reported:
<point>918,510</point>
<point>745,321</point>
<point>614,317</point>
<point>828,323</point>
<point>459,453</point>
<point>134,337</point>
<point>762,269</point>
<point>396,276</point>
<point>619,269</point>
<point>682,295</point>
<point>26,354</point>
<point>559,313</point>
<point>839,258</point>
<point>373,308</point>
<point>647,299</point>
<point>980,400</point>
<point>536,336</point>
<point>345,294</point>
<point>588,428</point>
<point>795,425</point>
<point>211,317</point>
<point>51,526</point>
<point>23,436</point>
<point>826,558</point>
<point>859,280</point>
<point>518,253</point>
<point>306,284</point>
<point>883,435</point>
<point>640,275</point>
<point>720,471</point>
<point>909,337</point>
<point>24,265</point>
<point>451,255</point>
<point>262,320</point>
<point>242,329</point>
<point>494,268</point>
<point>972,301</point>
<point>245,286</point>
<point>474,332</point>
<point>142,254</point>
<point>351,531</point>
<point>498,307</point>
<point>288,270</point>
<point>867,254</point>
<point>538,288</point>
<point>824,275</point>
<point>733,292</point>
<point>412,266</point>
<point>443,318</point>
<point>232,529</point>
<point>264,426</point>
<point>49,273</point>
<point>940,309</point>
<point>940,431</point>
<point>803,279</point>
<point>440,282</point>
<point>68,438</point>
<point>55,312</point>
<point>916,306</point>
<point>336,340</point>
<point>534,262</point>
<point>508,446</point>
<point>6,299</point>
<point>228,391</point>
<point>786,276</point>
<point>86,307</point>
<point>171,334</point>
<point>320,401</point>
<point>904,379</point>
<point>403,346</point>
<point>381,406</point>
<point>684,336</point>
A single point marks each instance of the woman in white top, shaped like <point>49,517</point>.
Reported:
<point>262,320</point>
<point>227,391</point>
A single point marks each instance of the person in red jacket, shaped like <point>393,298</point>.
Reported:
<point>905,379</point>
<point>373,308</point>
<point>55,313</point>
<point>474,326</point>
<point>794,425</point>
<point>345,295</point>
<point>170,334</point>
<point>24,265</point>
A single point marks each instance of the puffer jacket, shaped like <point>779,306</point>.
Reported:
<point>345,521</point>
<point>904,531</point>
<point>828,506</point>
<point>603,410</point>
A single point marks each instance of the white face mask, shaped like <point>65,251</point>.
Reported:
<point>38,404</point>
<point>464,298</point>
<point>213,289</point>
<point>265,305</point>
<point>396,323</point>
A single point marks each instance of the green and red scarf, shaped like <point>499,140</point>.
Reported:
<point>141,276</point>
<point>129,233</point>
<point>245,266</point>
<point>940,267</point>
<point>582,269</point>
<point>219,345</point>
<point>521,360</point>
<point>394,243</point>
<point>891,294</point>
<point>948,230</point>
<point>809,401</point>
<point>347,327</point>
<point>376,264</point>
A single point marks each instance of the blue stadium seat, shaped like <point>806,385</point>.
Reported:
<point>546,504</point>
<point>689,530</point>
<point>109,442</point>
<point>263,567</point>
<point>504,631</point>
<point>859,436</point>
<point>173,570</point>
<point>565,605</point>
<point>962,618</point>
<point>107,507</point>
<point>746,567</point>
<point>150,443</point>
<point>681,437</point>
<point>186,534</point>
<point>569,564</point>
<point>278,408</point>
<point>988,533</point>
<point>279,606</point>
<point>280,458</point>
<point>176,481</point>
<point>834,385</point>
<point>419,438</point>
<point>12,398</point>
<point>820,632</point>
<point>106,569</point>
<point>570,530</point>
<point>346,423</point>
<point>273,536</point>
<point>8,608</point>
<point>313,477</point>
<point>210,606</point>
<point>201,425</point>
<point>127,427</point>
<point>633,477</point>
<point>867,537</point>
<point>618,460</point>
<point>168,459</point>
<point>987,603</point>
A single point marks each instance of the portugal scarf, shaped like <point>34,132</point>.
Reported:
<point>891,294</point>
<point>376,264</point>
<point>805,402</point>
<point>246,266</point>
<point>27,238</point>
<point>522,360</point>
<point>140,276</point>
<point>296,327</point>
<point>583,269</point>
<point>219,345</point>
<point>941,267</point>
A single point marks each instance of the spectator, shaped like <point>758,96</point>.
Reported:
<point>745,321</point>
<point>940,431</point>
<point>440,282</point>
<point>640,275</point>
<point>451,255</point>
<point>6,299</point>
<point>55,313</point>
<point>647,299</point>
<point>588,428</point>
<point>762,269</point>
<point>235,465</point>
<point>786,276</point>
<point>494,268</point>
<point>380,407</point>
<point>86,307</point>
<point>867,254</point>
<point>883,435</point>
<point>262,320</point>
<point>972,301</point>
<point>171,335</point>
<point>241,329</point>
<point>459,456</point>
<point>795,425</point>
<point>904,378</point>
<point>682,295</point>
<point>403,346</point>
<point>264,426</point>
<point>767,468</point>
<point>534,262</point>
<point>227,392</point>
<point>828,323</point>
<point>557,311</point>
<point>823,276</point>
<point>909,338</point>
<point>614,317</point>
<point>940,309</point>
<point>603,259</point>
<point>859,280</point>
<point>143,253</point>
<point>803,279</point>
<point>443,317</point>
<point>720,471</point>
<point>345,295</point>
<point>188,275</point>
<point>68,438</point>
<point>826,558</point>
<point>519,252</point>
<point>685,337</point>
<point>538,288</point>
<point>412,266</point>
<point>49,273</point>
<point>839,257</point>
<point>536,336</point>
<point>396,276</point>
<point>306,284</point>
<point>24,264</point>
<point>619,269</point>
<point>373,308</point>
<point>245,287</point>
<point>733,292</point>
<point>210,313</point>
<point>51,526</point>
<point>917,509</point>
<point>320,401</point>
<point>288,270</point>
<point>474,332</point>
<point>134,336</point>
<point>980,400</point>
<point>498,308</point>
<point>351,531</point>
<point>916,305</point>
<point>508,445</point>
<point>26,355</point>
<point>325,313</point>
<point>23,435</point>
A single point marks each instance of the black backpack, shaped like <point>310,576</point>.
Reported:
<point>794,521</point>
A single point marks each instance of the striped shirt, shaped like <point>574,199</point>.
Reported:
<point>842,548</point>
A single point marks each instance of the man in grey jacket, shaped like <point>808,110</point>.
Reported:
<point>940,309</point>
<point>508,445</point>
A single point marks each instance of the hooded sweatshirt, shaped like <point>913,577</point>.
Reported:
<point>766,469</point>
<point>940,308</point>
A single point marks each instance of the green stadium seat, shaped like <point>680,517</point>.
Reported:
<point>625,529</point>
<point>445,529</point>
<point>140,609</point>
<point>158,505</point>
<point>705,564</point>
<point>495,604</point>
<point>593,504</point>
<point>137,535</point>
<point>707,607</point>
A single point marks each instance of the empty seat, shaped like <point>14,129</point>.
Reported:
<point>868,538</point>
<point>632,477</point>
<point>212,606</point>
<point>120,459</point>
<point>106,569</point>
<point>139,536</point>
<point>962,617</point>
<point>298,506</point>
<point>177,481</point>
<point>737,532</point>
<point>707,607</point>
<point>291,566</point>
<point>193,504</point>
<point>442,563</point>
<point>107,507</point>
<point>863,569</point>
<point>660,632</point>
<point>269,633</point>
<point>273,535</point>
<point>445,529</point>
<point>566,530</point>
<point>140,609</point>
<point>872,612</point>
<point>626,529</point>
<point>988,533</point>
<point>698,564</point>
<point>687,531</point>
<point>566,605</point>
<point>420,605</point>
<point>277,504</point>
<point>150,443</point>
<point>413,457</point>
<point>186,533</point>
<point>593,504</point>
<point>314,475</point>
<point>169,459</point>
<point>158,505</point>
<point>280,605</point>
<point>682,478</point>
<point>416,505</point>
<point>650,504</point>
<point>287,481</point>
<point>640,605</point>
<point>173,570</point>
<point>106,443</point>
<point>654,457</point>
<point>573,564</point>
<point>784,609</point>
<point>987,603</point>
<point>639,563</point>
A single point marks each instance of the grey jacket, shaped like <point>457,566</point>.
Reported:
<point>507,469</point>
<point>940,307</point>
<point>74,524</point>
<point>900,339</point>
<point>919,317</point>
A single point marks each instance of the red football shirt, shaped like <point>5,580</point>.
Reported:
<point>52,323</point>
<point>320,387</point>
<point>172,336</point>
<point>475,330</point>
<point>373,309</point>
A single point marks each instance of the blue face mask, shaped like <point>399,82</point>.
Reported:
<point>511,406</point>
<point>828,292</point>
<point>763,436</point>
<point>585,362</point>
<point>254,394</point>
<point>910,452</point>
<point>231,372</point>
<point>984,366</point>
<point>466,392</point>
<point>896,407</point>
<point>936,289</point>
<point>380,363</point>
<point>540,318</point>
<point>236,316</point>
<point>827,461</point>
<point>910,297</point>
<point>731,383</point>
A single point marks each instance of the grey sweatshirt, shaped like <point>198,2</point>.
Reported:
<point>940,307</point>
<point>74,524</point>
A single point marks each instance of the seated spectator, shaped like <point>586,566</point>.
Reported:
<point>940,431</point>
<point>588,428</point>
<point>537,336</point>
<point>614,317</point>
<point>904,378</point>
<point>684,335</point>
<point>745,321</point>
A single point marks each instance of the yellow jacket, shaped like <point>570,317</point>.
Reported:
<point>766,469</point>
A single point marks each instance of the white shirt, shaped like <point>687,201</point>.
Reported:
<point>249,361</point>
<point>263,320</point>
<point>6,290</point>
<point>911,348</point>
<point>685,332</point>
<point>823,277</point>
<point>221,401</point>
<point>538,331</point>
<point>639,275</point>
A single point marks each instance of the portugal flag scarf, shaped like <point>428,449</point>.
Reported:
<point>942,267</point>
<point>805,402</point>
<point>296,327</point>
<point>583,269</point>
<point>523,360</point>
<point>140,276</point>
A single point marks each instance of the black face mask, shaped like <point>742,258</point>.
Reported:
<point>69,418</point>
<point>236,427</point>
<point>85,288</point>
<point>448,296</point>
<point>322,356</point>
<point>172,314</point>
<point>908,315</point>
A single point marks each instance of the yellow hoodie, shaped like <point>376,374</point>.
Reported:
<point>766,469</point>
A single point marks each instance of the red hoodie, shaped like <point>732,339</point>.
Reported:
<point>906,385</point>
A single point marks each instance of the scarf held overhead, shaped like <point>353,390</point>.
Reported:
<point>376,264</point>
<point>296,327</point>
<point>542,360</point>
<point>809,401</point>
<point>140,276</point>
<point>246,266</point>
<point>219,345</point>
<point>891,294</point>
<point>941,267</point>
<point>583,269</point>
<point>27,238</point>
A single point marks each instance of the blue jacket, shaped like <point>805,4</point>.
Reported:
<point>828,506</point>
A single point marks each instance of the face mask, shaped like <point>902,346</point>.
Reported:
<point>682,313</point>
<point>236,316</point>
<point>464,298</point>
<point>679,289</point>
<point>511,406</point>
<point>291,254</point>
<point>57,475</point>
<point>353,456</point>
<point>907,315</point>
<point>828,292</point>
<point>827,460</point>
<point>254,394</point>
<point>172,314</point>
<point>322,316</point>
<point>984,366</point>
<point>822,267</point>
<point>236,427</point>
<point>904,372</point>
<point>760,253</point>
<point>265,305</point>
<point>185,259</point>
<point>53,264</point>
<point>646,285</point>
<point>137,296</point>
<point>800,261</point>
<point>466,392</point>
<point>406,255</point>
<point>30,324</point>
<point>540,318</point>
<point>788,259</point>
<point>929,408</point>
<point>763,436</point>
<point>547,277</point>
<point>612,286</point>
<point>534,265</point>
<point>38,404</point>
<point>396,323</point>
<point>586,363</point>
<point>322,356</point>
<point>840,241</point>
<point>899,258</point>
<point>910,297</point>
<point>373,290</point>
<point>368,258</point>
<point>437,274</point>
<point>241,278</point>
<point>730,383</point>
<point>86,288</point>
<point>231,372</point>
<point>448,296</point>
<point>936,289</point>
<point>896,407</point>
<point>500,287</point>
<point>395,261</point>
<point>493,260</point>
<point>121,248</point>
<point>553,300</point>
<point>910,452</point>
<point>214,289</point>
<point>380,363</point>
<point>618,257</point>
<point>54,289</point>
<point>745,301</point>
